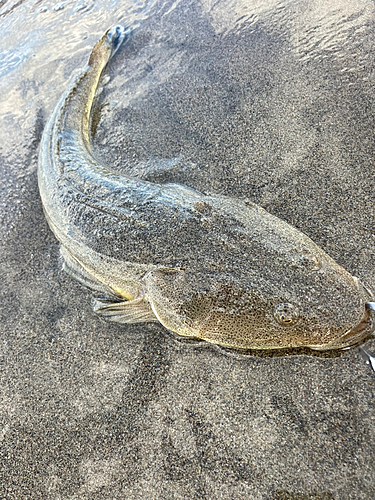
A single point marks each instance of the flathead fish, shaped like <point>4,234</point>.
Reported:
<point>211,267</point>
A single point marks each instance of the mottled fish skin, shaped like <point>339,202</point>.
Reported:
<point>212,267</point>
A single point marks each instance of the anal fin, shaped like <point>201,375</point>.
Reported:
<point>130,311</point>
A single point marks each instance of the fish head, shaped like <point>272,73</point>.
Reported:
<point>286,295</point>
<point>223,312</point>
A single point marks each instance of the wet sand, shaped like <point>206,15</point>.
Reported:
<point>273,103</point>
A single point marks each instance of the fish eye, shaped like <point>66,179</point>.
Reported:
<point>285,314</point>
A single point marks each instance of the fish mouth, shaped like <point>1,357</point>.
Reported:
<point>353,336</point>
<point>360,331</point>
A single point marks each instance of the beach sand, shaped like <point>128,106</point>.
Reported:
<point>273,103</point>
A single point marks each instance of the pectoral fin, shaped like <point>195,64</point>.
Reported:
<point>76,271</point>
<point>129,311</point>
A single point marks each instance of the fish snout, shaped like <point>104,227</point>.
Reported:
<point>364,327</point>
<point>367,324</point>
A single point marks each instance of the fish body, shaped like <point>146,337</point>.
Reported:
<point>212,267</point>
